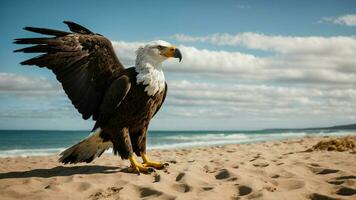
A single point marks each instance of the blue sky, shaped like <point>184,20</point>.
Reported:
<point>248,64</point>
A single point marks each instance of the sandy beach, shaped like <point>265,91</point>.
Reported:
<point>287,169</point>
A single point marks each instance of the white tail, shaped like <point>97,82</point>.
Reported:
<point>86,150</point>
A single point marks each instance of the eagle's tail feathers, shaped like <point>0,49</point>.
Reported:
<point>86,150</point>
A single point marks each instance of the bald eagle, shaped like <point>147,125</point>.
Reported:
<point>121,101</point>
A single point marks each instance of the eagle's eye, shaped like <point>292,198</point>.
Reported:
<point>160,47</point>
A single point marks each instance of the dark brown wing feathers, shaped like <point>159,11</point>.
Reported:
<point>76,28</point>
<point>85,63</point>
<point>46,31</point>
<point>164,98</point>
<point>113,98</point>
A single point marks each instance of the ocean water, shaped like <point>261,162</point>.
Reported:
<point>30,143</point>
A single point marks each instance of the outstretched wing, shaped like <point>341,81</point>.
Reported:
<point>84,62</point>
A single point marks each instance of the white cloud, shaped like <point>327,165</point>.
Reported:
<point>126,51</point>
<point>11,83</point>
<point>302,60</point>
<point>262,93</point>
<point>348,20</point>
<point>57,112</point>
<point>280,44</point>
<point>259,100</point>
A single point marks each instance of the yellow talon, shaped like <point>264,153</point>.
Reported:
<point>138,167</point>
<point>148,163</point>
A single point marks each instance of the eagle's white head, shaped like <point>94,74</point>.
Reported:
<point>149,64</point>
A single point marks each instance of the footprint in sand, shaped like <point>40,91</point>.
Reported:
<point>342,190</point>
<point>316,196</point>
<point>342,179</point>
<point>244,190</point>
<point>224,174</point>
<point>235,166</point>
<point>345,191</point>
<point>323,171</point>
<point>232,179</point>
<point>257,156</point>
<point>207,188</point>
<point>335,182</point>
<point>275,176</point>
<point>315,164</point>
<point>157,178</point>
<point>345,177</point>
<point>145,192</point>
<point>260,164</point>
<point>180,176</point>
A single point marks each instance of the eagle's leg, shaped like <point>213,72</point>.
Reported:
<point>123,146</point>
<point>139,145</point>
<point>138,167</point>
<point>148,163</point>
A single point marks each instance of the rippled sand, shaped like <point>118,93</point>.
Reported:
<point>289,169</point>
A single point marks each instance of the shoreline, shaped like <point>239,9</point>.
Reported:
<point>264,170</point>
<point>30,152</point>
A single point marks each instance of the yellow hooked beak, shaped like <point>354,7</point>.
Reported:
<point>171,51</point>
